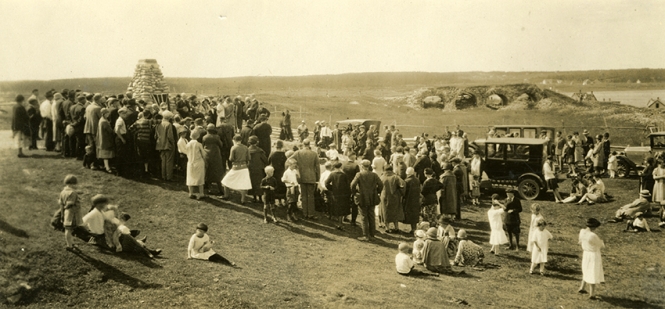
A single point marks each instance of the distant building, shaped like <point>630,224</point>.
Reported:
<point>584,97</point>
<point>657,103</point>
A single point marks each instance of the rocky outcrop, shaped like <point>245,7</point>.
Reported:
<point>524,95</point>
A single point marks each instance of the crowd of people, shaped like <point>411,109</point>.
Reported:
<point>225,143</point>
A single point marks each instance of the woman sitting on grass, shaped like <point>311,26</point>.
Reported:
<point>468,253</point>
<point>200,247</point>
<point>596,192</point>
<point>578,191</point>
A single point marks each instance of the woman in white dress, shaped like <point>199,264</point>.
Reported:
<point>535,217</point>
<point>495,217</point>
<point>659,182</point>
<point>196,169</point>
<point>592,263</point>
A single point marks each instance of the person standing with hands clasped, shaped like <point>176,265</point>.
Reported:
<point>512,220</point>
<point>539,246</point>
<point>592,263</point>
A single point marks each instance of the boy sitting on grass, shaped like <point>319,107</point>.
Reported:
<point>404,264</point>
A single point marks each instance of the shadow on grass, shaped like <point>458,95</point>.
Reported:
<point>111,273</point>
<point>627,303</point>
<point>4,226</point>
<point>563,254</point>
<point>553,275</point>
<point>145,261</point>
<point>258,213</point>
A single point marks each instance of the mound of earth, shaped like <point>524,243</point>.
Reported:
<point>516,96</point>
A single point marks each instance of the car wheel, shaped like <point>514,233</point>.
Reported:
<point>528,188</point>
<point>622,170</point>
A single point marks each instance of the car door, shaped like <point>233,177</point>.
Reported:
<point>495,161</point>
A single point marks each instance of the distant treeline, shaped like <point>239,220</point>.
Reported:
<point>232,85</point>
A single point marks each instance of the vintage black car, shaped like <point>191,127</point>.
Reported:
<point>516,162</point>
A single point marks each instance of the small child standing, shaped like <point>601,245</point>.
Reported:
<point>475,190</point>
<point>200,247</point>
<point>612,164</point>
<point>418,246</point>
<point>540,245</point>
<point>268,184</point>
<point>89,157</point>
<point>290,180</point>
<point>495,217</point>
<point>70,209</point>
<point>535,217</point>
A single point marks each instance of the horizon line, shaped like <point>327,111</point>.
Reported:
<point>335,74</point>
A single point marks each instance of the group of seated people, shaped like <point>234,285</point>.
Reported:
<point>103,225</point>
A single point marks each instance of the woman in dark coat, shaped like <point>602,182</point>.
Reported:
<point>448,195</point>
<point>646,176</point>
<point>391,199</point>
<point>262,130</point>
<point>339,186</point>
<point>277,159</point>
<point>105,140</point>
<point>411,199</point>
<point>215,168</point>
<point>257,163</point>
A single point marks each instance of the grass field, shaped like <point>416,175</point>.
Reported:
<point>291,265</point>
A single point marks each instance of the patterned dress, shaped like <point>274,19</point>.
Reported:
<point>468,253</point>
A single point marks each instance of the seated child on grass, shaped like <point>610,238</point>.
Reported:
<point>200,247</point>
<point>639,224</point>
<point>404,264</point>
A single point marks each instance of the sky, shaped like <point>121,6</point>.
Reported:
<point>59,39</point>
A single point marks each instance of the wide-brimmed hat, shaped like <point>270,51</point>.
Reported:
<point>461,234</point>
<point>639,214</point>
<point>420,234</point>
<point>645,193</point>
<point>431,233</point>
<point>585,131</point>
<point>592,222</point>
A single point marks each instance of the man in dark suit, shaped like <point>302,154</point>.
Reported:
<point>351,169</point>
<point>310,170</point>
<point>21,125</point>
<point>366,186</point>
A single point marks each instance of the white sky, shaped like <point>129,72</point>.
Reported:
<point>68,38</point>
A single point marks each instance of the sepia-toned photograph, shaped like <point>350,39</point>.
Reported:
<point>332,154</point>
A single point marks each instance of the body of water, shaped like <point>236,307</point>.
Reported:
<point>638,98</point>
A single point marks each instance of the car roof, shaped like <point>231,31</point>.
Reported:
<point>353,121</point>
<point>661,133</point>
<point>522,126</point>
<point>516,140</point>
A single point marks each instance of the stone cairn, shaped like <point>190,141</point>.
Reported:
<point>148,82</point>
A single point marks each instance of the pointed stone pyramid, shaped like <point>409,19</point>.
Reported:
<point>147,80</point>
